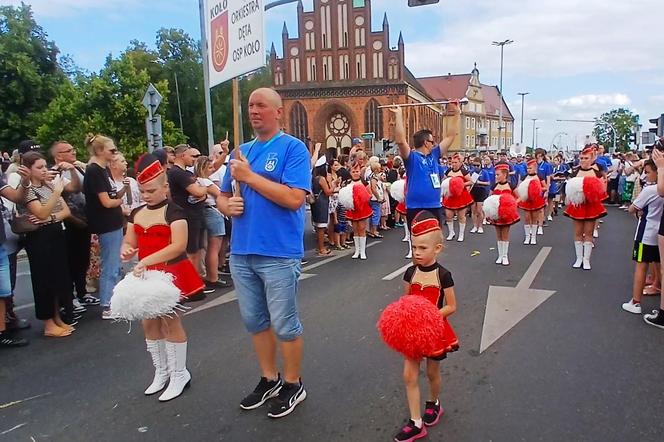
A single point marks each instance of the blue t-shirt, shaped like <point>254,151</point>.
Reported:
<point>544,169</point>
<point>561,169</point>
<point>491,173</point>
<point>265,228</point>
<point>604,162</point>
<point>442,169</point>
<point>419,168</point>
<point>521,170</point>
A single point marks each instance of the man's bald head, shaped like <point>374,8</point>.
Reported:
<point>269,95</point>
<point>265,110</point>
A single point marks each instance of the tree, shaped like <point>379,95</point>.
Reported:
<point>30,75</point>
<point>624,122</point>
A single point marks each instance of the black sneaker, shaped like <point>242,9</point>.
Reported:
<point>88,300</point>
<point>216,285</point>
<point>225,270</point>
<point>7,341</point>
<point>432,413</point>
<point>264,391</point>
<point>289,396</point>
<point>656,319</point>
<point>410,432</point>
<point>198,296</point>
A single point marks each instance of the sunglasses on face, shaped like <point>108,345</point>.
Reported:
<point>113,151</point>
<point>196,155</point>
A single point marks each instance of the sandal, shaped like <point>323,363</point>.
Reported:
<point>651,291</point>
<point>371,235</point>
<point>378,236</point>
<point>324,253</point>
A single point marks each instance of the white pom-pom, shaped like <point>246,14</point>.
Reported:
<point>445,187</point>
<point>346,197</point>
<point>522,190</point>
<point>491,206</point>
<point>574,191</point>
<point>397,190</point>
<point>149,297</point>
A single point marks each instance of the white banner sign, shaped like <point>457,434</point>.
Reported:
<point>235,38</point>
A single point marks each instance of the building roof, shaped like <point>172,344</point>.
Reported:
<point>454,87</point>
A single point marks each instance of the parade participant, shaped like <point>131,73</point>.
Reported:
<point>157,232</point>
<point>272,176</point>
<point>545,172</point>
<point>531,201</point>
<point>398,191</point>
<point>456,197</point>
<point>355,198</point>
<point>501,211</point>
<point>483,171</point>
<point>585,191</point>
<point>429,279</point>
<point>377,198</point>
<point>558,178</point>
<point>423,163</point>
<point>648,207</point>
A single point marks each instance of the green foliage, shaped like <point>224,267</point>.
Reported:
<point>624,122</point>
<point>29,73</point>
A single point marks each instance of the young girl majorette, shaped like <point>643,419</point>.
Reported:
<point>585,191</point>
<point>355,198</point>
<point>158,233</point>
<point>456,197</point>
<point>500,209</point>
<point>398,191</point>
<point>531,201</point>
<point>432,281</point>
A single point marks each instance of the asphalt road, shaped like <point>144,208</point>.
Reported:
<point>577,368</point>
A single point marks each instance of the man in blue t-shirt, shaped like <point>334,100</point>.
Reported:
<point>264,191</point>
<point>423,165</point>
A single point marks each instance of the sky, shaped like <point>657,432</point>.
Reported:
<point>577,59</point>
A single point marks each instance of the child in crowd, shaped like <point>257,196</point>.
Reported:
<point>429,279</point>
<point>648,206</point>
<point>157,232</point>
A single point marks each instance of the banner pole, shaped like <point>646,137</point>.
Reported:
<point>206,75</point>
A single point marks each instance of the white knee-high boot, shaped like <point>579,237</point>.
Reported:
<point>409,255</point>
<point>506,248</point>
<point>587,251</point>
<point>157,349</point>
<point>533,234</point>
<point>462,232</point>
<point>526,229</point>
<point>450,229</point>
<point>578,249</point>
<point>406,233</point>
<point>356,240</point>
<point>363,247</point>
<point>500,252</point>
<point>180,378</point>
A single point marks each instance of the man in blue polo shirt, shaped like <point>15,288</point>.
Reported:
<point>423,165</point>
<point>264,191</point>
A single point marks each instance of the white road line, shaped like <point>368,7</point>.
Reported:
<point>338,255</point>
<point>24,306</point>
<point>397,272</point>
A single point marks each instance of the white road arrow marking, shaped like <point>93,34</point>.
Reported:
<point>507,306</point>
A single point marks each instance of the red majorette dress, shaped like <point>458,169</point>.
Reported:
<point>456,195</point>
<point>585,191</point>
<point>531,194</point>
<point>355,198</point>
<point>430,283</point>
<point>505,212</point>
<point>153,233</point>
<point>401,207</point>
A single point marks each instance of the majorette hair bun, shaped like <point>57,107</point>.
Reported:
<point>148,168</point>
<point>424,223</point>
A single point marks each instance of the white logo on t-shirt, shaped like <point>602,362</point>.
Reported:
<point>271,162</point>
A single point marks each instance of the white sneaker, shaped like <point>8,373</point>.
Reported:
<point>549,218</point>
<point>78,307</point>
<point>595,233</point>
<point>473,230</point>
<point>480,230</point>
<point>484,222</point>
<point>632,307</point>
<point>540,231</point>
<point>107,314</point>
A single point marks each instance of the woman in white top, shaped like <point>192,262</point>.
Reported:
<point>132,197</point>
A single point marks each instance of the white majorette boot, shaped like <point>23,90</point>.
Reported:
<point>180,378</point>
<point>356,240</point>
<point>473,230</point>
<point>506,248</point>
<point>533,234</point>
<point>587,251</point>
<point>363,247</point>
<point>462,232</point>
<point>157,350</point>
<point>500,252</point>
<point>540,231</point>
<point>578,248</point>
<point>526,229</point>
<point>409,255</point>
<point>406,233</point>
<point>450,228</point>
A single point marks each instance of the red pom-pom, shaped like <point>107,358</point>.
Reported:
<point>507,207</point>
<point>534,189</point>
<point>456,186</point>
<point>593,189</point>
<point>412,326</point>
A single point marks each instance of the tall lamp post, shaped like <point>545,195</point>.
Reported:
<point>537,135</point>
<point>502,45</point>
<point>523,95</point>
<point>534,120</point>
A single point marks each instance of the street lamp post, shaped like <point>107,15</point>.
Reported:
<point>534,120</point>
<point>500,118</point>
<point>537,135</point>
<point>523,95</point>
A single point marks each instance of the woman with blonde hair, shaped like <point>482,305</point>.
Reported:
<point>104,211</point>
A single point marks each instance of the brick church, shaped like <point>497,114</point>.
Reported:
<point>337,70</point>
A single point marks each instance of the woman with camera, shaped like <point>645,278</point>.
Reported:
<point>44,209</point>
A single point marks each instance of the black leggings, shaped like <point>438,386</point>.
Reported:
<point>49,270</point>
<point>78,251</point>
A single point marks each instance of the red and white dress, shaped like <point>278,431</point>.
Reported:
<point>153,233</point>
<point>585,191</point>
<point>457,196</point>
<point>507,213</point>
<point>430,283</point>
<point>361,208</point>
<point>531,194</point>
